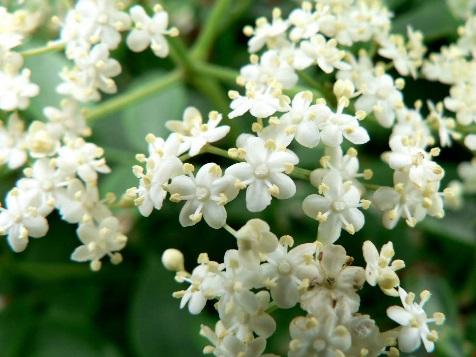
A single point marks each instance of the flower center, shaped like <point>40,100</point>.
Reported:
<point>338,206</point>
<point>284,267</point>
<point>202,193</point>
<point>261,171</point>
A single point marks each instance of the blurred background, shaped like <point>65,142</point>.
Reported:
<point>52,307</point>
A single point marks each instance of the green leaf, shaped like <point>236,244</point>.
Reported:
<point>150,115</point>
<point>157,326</point>
<point>432,17</point>
<point>456,226</point>
<point>45,71</point>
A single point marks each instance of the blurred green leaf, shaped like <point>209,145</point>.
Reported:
<point>432,17</point>
<point>150,115</point>
<point>157,326</point>
<point>45,71</point>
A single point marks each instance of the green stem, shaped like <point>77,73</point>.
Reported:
<point>211,29</point>
<point>50,47</point>
<point>134,95</point>
<point>223,74</point>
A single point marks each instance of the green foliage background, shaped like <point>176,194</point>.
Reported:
<point>54,307</point>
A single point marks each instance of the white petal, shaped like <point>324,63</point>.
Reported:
<point>257,196</point>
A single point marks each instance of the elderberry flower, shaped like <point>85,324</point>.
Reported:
<point>414,321</point>
<point>68,120</point>
<point>16,90</point>
<point>263,173</point>
<point>194,133</point>
<point>224,344</point>
<point>205,194</point>
<point>260,101</point>
<point>161,165</point>
<point>378,270</point>
<point>336,208</point>
<point>288,272</point>
<point>302,120</point>
<point>255,239</point>
<point>322,52</point>
<point>43,180</point>
<point>203,285</point>
<point>12,142</point>
<point>76,200</point>
<point>21,219</point>
<point>408,154</point>
<point>266,33</point>
<point>99,241</point>
<point>150,31</point>
<point>381,97</point>
<point>335,286</point>
<point>318,336</point>
<point>91,22</point>
<point>82,158</point>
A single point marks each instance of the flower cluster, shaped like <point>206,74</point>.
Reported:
<point>266,273</point>
<point>62,167</point>
<point>317,79</point>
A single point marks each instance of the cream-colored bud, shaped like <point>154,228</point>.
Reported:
<point>173,260</point>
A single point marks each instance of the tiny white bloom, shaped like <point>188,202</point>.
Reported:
<point>263,173</point>
<point>196,134</point>
<point>414,321</point>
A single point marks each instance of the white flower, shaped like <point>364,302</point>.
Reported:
<point>286,272</point>
<point>467,171</point>
<point>335,285</point>
<point>381,97</point>
<point>378,269</point>
<point>43,180</point>
<point>446,126</point>
<point>406,57</point>
<point>12,145</point>
<point>336,209</point>
<point>265,33</point>
<point>462,101</point>
<point>318,336</point>
<point>224,344</point>
<point>16,90</point>
<point>408,201</point>
<point>82,158</point>
<point>67,120</point>
<point>255,239</point>
<point>263,173</point>
<point>414,321</point>
<point>337,126</point>
<point>205,194</point>
<point>77,202</point>
<point>149,31</point>
<point>347,165</point>
<point>324,53</point>
<point>21,219</point>
<point>261,101</point>
<point>92,22</point>
<point>408,153</point>
<point>161,165</point>
<point>273,66</point>
<point>302,120</point>
<point>304,22</point>
<point>93,73</point>
<point>99,241</point>
<point>203,282</point>
<point>196,134</point>
<point>40,141</point>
